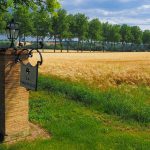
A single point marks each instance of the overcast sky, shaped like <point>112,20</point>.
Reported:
<point>131,12</point>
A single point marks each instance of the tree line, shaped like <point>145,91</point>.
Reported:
<point>42,21</point>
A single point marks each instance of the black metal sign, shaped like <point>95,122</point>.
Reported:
<point>29,73</point>
<point>29,76</point>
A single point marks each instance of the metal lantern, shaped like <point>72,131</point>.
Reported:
<point>12,31</point>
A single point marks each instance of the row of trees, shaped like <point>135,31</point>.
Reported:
<point>41,21</point>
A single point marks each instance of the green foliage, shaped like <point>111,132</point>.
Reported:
<point>59,24</point>
<point>71,26</point>
<point>81,26</point>
<point>106,31</point>
<point>4,17</point>
<point>95,30</point>
<point>47,5</point>
<point>114,35</point>
<point>125,32</point>
<point>136,35</point>
<point>23,16</point>
<point>41,23</point>
<point>146,37</point>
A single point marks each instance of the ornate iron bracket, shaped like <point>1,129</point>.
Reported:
<point>29,54</point>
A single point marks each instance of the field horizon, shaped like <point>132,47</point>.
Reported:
<point>99,69</point>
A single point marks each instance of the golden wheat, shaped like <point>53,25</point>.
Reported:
<point>100,69</point>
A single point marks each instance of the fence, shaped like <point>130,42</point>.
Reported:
<point>84,46</point>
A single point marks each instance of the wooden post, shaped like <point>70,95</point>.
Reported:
<point>14,108</point>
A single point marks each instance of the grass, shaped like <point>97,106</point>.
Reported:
<point>76,117</point>
<point>126,102</point>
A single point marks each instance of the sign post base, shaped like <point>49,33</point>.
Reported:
<point>14,99</point>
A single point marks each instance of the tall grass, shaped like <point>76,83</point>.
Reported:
<point>126,102</point>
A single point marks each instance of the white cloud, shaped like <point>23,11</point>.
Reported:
<point>133,16</point>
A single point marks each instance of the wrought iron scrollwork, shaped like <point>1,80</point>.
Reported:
<point>29,54</point>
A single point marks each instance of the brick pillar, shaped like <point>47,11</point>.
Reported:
<point>13,99</point>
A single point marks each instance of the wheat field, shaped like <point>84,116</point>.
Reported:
<point>100,69</point>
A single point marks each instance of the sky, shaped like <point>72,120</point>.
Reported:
<point>131,12</point>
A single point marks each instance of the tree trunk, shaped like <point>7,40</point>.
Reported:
<point>68,46</point>
<point>91,46</point>
<point>78,45</point>
<point>20,44</point>
<point>94,46</point>
<point>43,45</point>
<point>55,43</point>
<point>103,46</point>
<point>19,40</point>
<point>37,42</point>
<point>81,45</point>
<point>61,46</point>
<point>24,40</point>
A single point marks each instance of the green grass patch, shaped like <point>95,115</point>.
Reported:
<point>127,102</point>
<point>74,126</point>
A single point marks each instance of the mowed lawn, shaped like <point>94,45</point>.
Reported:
<point>84,115</point>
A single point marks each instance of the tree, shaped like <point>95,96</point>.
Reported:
<point>70,34</point>
<point>106,28</point>
<point>81,27</point>
<point>125,32</point>
<point>24,18</point>
<point>146,37</point>
<point>136,35</point>
<point>115,33</point>
<point>95,30</point>
<point>41,24</point>
<point>111,33</point>
<point>60,26</point>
